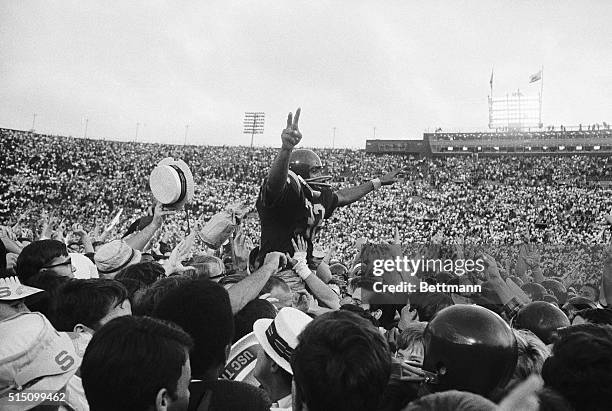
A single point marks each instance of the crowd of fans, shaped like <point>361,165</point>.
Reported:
<point>491,200</point>
<point>112,302</point>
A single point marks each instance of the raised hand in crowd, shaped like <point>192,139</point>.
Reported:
<point>60,232</point>
<point>291,135</point>
<point>491,268</point>
<point>407,316</point>
<point>300,248</point>
<point>391,177</point>
<point>48,222</point>
<point>11,261</point>
<point>318,288</point>
<point>7,233</point>
<point>82,238</point>
<point>396,237</point>
<point>242,246</point>
<point>532,256</point>
<point>174,264</point>
<point>97,230</point>
<point>331,252</point>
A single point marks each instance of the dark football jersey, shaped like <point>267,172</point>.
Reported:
<point>297,210</point>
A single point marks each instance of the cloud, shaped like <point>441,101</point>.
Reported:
<point>401,67</point>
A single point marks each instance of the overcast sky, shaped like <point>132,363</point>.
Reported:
<point>354,65</point>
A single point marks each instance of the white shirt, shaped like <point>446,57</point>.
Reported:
<point>284,404</point>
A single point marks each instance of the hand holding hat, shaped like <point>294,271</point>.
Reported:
<point>160,213</point>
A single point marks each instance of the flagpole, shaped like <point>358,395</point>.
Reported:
<point>491,98</point>
<point>541,91</point>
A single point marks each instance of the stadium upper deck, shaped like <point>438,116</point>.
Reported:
<point>560,142</point>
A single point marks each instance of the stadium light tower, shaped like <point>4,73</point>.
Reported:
<point>333,137</point>
<point>86,124</point>
<point>253,123</point>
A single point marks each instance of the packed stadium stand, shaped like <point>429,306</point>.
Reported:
<point>490,199</point>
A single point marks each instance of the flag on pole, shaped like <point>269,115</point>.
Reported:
<point>491,80</point>
<point>536,77</point>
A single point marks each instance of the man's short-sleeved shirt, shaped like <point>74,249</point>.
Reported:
<point>297,210</point>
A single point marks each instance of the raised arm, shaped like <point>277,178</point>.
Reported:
<point>139,240</point>
<point>533,262</point>
<point>511,302</point>
<point>277,176</point>
<point>318,288</point>
<point>349,195</point>
<point>248,289</point>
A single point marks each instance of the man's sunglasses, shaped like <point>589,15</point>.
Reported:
<point>67,262</point>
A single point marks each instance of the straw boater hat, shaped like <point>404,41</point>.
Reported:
<point>279,336</point>
<point>11,289</point>
<point>36,358</point>
<point>172,183</point>
<point>241,360</point>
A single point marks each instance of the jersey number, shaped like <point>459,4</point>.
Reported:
<point>316,212</point>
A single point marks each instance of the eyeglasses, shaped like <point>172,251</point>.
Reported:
<point>67,262</point>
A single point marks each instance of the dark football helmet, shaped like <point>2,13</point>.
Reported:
<point>580,303</point>
<point>542,319</point>
<point>575,304</point>
<point>535,291</point>
<point>550,298</point>
<point>557,289</point>
<point>468,348</point>
<point>307,164</point>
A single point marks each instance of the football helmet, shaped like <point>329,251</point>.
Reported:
<point>468,348</point>
<point>542,319</point>
<point>575,304</point>
<point>557,289</point>
<point>307,164</point>
<point>535,291</point>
